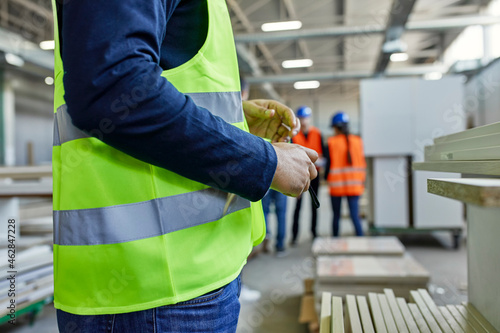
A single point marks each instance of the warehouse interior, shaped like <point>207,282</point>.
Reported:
<point>419,81</point>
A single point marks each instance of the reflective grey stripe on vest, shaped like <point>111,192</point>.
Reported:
<point>348,169</point>
<point>345,183</point>
<point>64,130</point>
<point>125,223</point>
<point>226,105</point>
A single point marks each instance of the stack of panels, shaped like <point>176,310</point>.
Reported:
<point>34,278</point>
<point>342,275</point>
<point>358,265</point>
<point>383,246</point>
<point>475,151</point>
<point>386,313</point>
<point>36,217</point>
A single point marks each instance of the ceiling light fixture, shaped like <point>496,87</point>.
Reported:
<point>433,76</point>
<point>398,57</point>
<point>49,81</point>
<point>47,45</point>
<point>14,60</point>
<point>280,26</point>
<point>306,84</point>
<point>297,63</point>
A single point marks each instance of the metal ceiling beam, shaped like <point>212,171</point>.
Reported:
<point>249,58</point>
<point>344,75</point>
<point>233,4</point>
<point>14,43</point>
<point>252,62</point>
<point>342,31</point>
<point>47,13</point>
<point>398,16</point>
<point>292,14</point>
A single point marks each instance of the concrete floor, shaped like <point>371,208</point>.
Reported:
<point>280,279</point>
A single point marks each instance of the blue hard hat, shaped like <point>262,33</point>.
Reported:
<point>304,112</point>
<point>339,119</point>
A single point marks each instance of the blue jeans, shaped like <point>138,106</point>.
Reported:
<point>353,210</point>
<point>279,200</point>
<point>216,311</point>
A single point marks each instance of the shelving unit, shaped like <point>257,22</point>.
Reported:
<point>482,198</point>
<point>34,257</point>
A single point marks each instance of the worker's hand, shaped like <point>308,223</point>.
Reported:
<point>295,169</point>
<point>271,120</point>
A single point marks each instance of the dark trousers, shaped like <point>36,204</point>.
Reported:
<point>353,209</point>
<point>279,200</point>
<point>295,229</point>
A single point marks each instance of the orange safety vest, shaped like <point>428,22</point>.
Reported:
<point>345,179</point>
<point>313,140</point>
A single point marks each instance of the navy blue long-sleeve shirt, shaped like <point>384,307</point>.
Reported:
<point>114,52</point>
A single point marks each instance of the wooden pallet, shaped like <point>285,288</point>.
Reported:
<point>385,313</point>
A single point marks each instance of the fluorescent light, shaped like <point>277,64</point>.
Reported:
<point>47,45</point>
<point>306,84</point>
<point>433,76</point>
<point>279,26</point>
<point>396,57</point>
<point>298,63</point>
<point>14,60</point>
<point>49,81</point>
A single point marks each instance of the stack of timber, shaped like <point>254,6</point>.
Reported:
<point>358,265</point>
<point>36,218</point>
<point>475,151</point>
<point>386,313</point>
<point>33,278</point>
<point>29,181</point>
<point>31,265</point>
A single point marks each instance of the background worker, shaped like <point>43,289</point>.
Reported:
<point>159,166</point>
<point>345,171</point>
<point>310,137</point>
<point>279,201</point>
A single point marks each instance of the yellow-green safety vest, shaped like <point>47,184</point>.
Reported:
<point>130,236</point>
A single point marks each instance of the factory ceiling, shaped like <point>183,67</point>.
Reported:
<point>344,40</point>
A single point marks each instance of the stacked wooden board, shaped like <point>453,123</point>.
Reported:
<point>33,278</point>
<point>355,265</point>
<point>342,275</point>
<point>475,151</point>
<point>381,246</point>
<point>32,270</point>
<point>26,181</point>
<point>386,313</point>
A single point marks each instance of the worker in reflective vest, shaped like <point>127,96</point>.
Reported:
<point>345,171</point>
<point>158,166</point>
<point>310,137</point>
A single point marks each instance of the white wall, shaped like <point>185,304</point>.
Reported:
<point>33,117</point>
<point>36,129</point>
<point>400,117</point>
<point>482,96</point>
<point>324,107</point>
